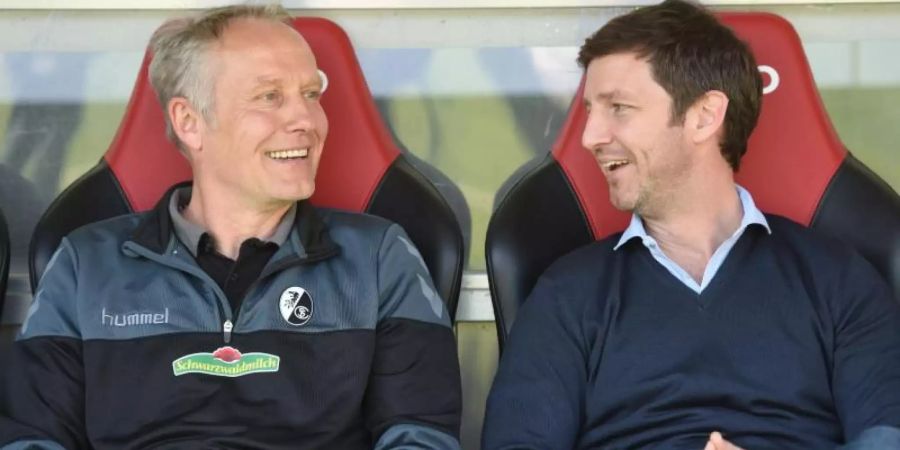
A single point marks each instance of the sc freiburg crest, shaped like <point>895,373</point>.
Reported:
<point>296,306</point>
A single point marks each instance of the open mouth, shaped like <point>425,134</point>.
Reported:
<point>612,166</point>
<point>290,154</point>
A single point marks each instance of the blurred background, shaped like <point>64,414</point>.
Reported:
<point>474,87</point>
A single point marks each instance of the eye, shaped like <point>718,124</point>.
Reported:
<point>312,94</point>
<point>618,108</point>
<point>272,96</point>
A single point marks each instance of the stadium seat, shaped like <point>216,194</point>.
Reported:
<point>362,168</point>
<point>796,166</point>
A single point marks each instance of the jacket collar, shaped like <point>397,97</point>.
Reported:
<point>191,234</point>
<point>155,231</point>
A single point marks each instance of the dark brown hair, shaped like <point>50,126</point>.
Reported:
<point>690,53</point>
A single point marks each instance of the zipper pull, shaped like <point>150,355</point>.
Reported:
<point>227,327</point>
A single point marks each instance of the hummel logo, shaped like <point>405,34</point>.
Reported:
<point>127,320</point>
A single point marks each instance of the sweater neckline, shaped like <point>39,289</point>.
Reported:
<point>728,270</point>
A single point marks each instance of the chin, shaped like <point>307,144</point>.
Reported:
<point>296,198</point>
<point>293,195</point>
<point>622,204</point>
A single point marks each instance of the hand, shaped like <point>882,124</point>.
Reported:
<point>717,442</point>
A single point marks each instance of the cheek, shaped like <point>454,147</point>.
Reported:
<point>255,126</point>
<point>262,120</point>
<point>664,154</point>
<point>321,121</point>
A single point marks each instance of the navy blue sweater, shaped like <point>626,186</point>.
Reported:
<point>794,344</point>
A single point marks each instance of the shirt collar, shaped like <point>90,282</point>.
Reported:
<point>752,215</point>
<point>190,233</point>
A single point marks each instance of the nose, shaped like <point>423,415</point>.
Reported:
<point>597,132</point>
<point>301,114</point>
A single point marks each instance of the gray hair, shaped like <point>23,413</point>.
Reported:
<point>181,66</point>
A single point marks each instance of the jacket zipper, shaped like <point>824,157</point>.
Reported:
<point>226,329</point>
<point>227,325</point>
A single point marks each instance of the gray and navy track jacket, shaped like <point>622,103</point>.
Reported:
<point>342,343</point>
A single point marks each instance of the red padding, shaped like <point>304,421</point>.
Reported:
<point>792,154</point>
<point>357,152</point>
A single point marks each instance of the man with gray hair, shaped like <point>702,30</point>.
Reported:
<point>235,314</point>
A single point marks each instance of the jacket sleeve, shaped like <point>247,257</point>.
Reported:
<point>866,373</point>
<point>413,397</point>
<point>537,396</point>
<point>43,398</point>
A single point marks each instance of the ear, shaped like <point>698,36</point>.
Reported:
<point>187,123</point>
<point>706,116</point>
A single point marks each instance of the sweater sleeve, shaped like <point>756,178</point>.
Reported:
<point>866,373</point>
<point>43,401</point>
<point>537,396</point>
<point>414,397</point>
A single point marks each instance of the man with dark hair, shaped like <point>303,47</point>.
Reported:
<point>235,314</point>
<point>704,317</point>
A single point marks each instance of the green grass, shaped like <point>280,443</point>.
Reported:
<point>90,141</point>
<point>474,141</point>
<point>101,120</point>
<point>868,121</point>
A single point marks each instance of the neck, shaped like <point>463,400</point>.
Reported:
<point>704,214</point>
<point>231,221</point>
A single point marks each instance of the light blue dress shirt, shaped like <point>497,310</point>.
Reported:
<point>752,215</point>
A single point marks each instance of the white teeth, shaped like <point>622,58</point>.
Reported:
<point>289,154</point>
<point>614,164</point>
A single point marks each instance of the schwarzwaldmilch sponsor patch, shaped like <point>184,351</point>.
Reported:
<point>226,362</point>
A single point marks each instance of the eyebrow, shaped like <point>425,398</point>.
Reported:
<point>609,95</point>
<point>266,80</point>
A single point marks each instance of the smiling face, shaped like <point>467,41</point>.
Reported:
<point>263,143</point>
<point>644,156</point>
